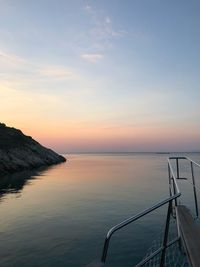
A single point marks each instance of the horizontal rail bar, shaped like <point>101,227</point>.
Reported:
<point>177,158</point>
<point>159,250</point>
<point>186,158</point>
<point>141,214</point>
<point>124,223</point>
<point>149,257</point>
<point>132,219</point>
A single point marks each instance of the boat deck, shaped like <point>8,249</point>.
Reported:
<point>190,235</point>
<point>188,231</point>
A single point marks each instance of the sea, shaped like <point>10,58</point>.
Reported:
<point>59,216</point>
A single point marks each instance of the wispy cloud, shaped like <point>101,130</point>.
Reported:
<point>43,78</point>
<point>103,28</point>
<point>107,20</point>
<point>88,8</point>
<point>102,34</point>
<point>9,63</point>
<point>93,58</point>
<point>11,59</point>
<point>55,71</point>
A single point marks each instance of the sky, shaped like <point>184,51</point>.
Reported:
<point>102,76</point>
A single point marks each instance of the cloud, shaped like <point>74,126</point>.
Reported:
<point>56,71</point>
<point>107,20</point>
<point>11,59</point>
<point>88,8</point>
<point>23,72</point>
<point>93,58</point>
<point>102,33</point>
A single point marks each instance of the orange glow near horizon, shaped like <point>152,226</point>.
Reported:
<point>69,138</point>
<point>65,128</point>
<point>98,79</point>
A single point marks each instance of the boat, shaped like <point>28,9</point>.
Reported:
<point>179,244</point>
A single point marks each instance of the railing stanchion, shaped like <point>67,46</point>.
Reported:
<point>105,250</point>
<point>194,190</point>
<point>170,181</point>
<point>174,195</point>
<point>164,244</point>
<point>174,187</point>
<point>177,169</point>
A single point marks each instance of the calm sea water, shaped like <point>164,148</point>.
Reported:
<point>59,216</point>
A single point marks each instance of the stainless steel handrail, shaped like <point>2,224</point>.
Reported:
<point>139,215</point>
<point>174,194</point>
<point>132,219</point>
<point>192,164</point>
<point>186,158</point>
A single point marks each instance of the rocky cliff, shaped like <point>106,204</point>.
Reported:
<point>20,152</point>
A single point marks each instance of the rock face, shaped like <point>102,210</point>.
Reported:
<point>20,152</point>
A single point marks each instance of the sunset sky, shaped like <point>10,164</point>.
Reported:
<point>106,75</point>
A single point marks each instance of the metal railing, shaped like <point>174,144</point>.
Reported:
<point>171,201</point>
<point>178,177</point>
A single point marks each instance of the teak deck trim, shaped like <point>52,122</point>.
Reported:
<point>190,235</point>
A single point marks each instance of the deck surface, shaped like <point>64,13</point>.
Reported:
<point>190,233</point>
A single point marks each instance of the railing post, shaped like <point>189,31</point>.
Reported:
<point>194,190</point>
<point>105,250</point>
<point>177,169</point>
<point>175,200</point>
<point>164,244</point>
<point>170,182</point>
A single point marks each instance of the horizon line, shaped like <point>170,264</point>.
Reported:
<point>129,152</point>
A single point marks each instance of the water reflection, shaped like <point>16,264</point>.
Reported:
<point>61,220</point>
<point>14,183</point>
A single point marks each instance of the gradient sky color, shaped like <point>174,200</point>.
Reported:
<point>86,76</point>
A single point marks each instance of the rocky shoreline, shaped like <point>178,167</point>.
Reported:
<point>20,152</point>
